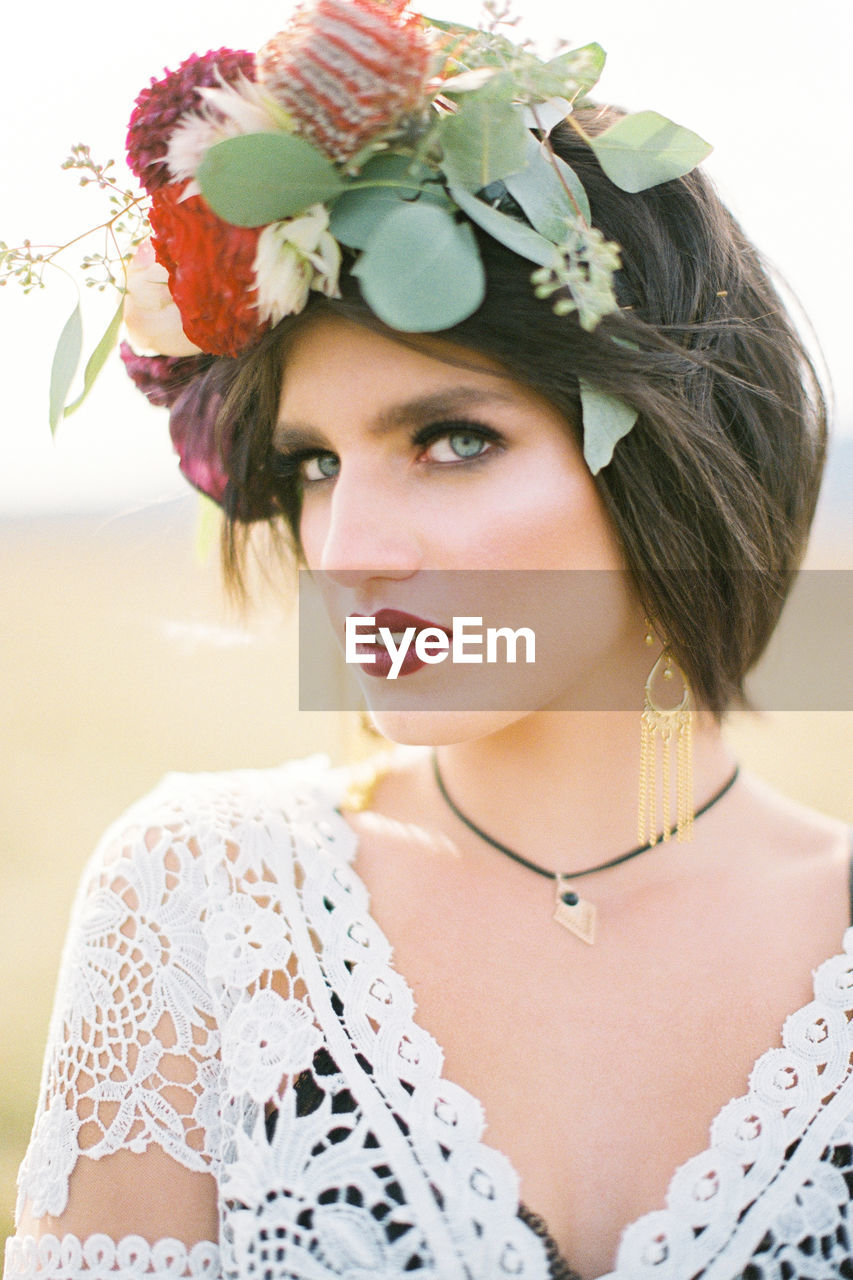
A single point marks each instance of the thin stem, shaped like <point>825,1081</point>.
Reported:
<point>102,226</point>
<point>112,236</point>
<point>549,150</point>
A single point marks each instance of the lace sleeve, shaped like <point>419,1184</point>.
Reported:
<point>120,1174</point>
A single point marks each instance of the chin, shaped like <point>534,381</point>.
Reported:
<point>430,728</point>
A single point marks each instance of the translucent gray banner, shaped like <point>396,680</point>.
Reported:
<point>527,640</point>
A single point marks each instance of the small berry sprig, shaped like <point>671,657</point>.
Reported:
<point>123,229</point>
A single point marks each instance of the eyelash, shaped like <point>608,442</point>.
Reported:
<point>288,465</point>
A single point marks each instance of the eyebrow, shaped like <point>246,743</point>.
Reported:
<point>419,411</point>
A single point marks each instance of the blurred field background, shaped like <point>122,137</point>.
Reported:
<point>119,661</point>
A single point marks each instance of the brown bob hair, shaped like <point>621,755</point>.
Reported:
<point>713,491</point>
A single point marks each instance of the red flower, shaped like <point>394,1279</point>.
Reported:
<point>160,106</point>
<point>210,266</point>
<point>347,71</point>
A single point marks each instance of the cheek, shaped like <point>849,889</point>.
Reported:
<point>310,531</point>
<point>547,516</point>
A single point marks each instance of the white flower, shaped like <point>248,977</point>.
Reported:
<point>230,110</point>
<point>152,320</point>
<point>267,1039</point>
<point>246,106</point>
<point>188,143</point>
<point>293,257</point>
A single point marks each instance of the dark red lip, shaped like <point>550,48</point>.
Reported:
<point>394,620</point>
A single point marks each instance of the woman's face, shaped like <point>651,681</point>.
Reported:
<point>420,478</point>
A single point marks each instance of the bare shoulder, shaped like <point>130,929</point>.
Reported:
<point>787,828</point>
<point>791,865</point>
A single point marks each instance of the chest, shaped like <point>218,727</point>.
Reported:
<point>600,1070</point>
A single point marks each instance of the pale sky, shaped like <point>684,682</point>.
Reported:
<point>766,81</point>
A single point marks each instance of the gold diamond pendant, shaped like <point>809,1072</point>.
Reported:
<point>574,913</point>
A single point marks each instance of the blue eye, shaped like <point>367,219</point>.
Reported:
<point>445,443</point>
<point>466,444</point>
<point>304,466</point>
<point>322,466</point>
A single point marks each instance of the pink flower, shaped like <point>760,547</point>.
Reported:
<point>152,320</point>
<point>347,71</point>
<point>161,105</point>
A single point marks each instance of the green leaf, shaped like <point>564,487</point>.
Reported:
<point>421,270</point>
<point>577,71</point>
<point>486,139</point>
<point>260,178</point>
<point>645,149</point>
<point>356,213</point>
<point>66,358</point>
<point>516,235</point>
<point>208,526</point>
<point>606,419</point>
<point>453,28</point>
<point>539,189</point>
<point>98,358</point>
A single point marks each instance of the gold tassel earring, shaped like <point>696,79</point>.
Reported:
<point>669,726</point>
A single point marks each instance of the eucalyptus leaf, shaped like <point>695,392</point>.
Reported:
<point>98,358</point>
<point>453,28</point>
<point>208,526</point>
<point>606,419</point>
<point>645,149</point>
<point>66,358</point>
<point>516,235</point>
<point>259,178</point>
<point>485,139</point>
<point>421,271</point>
<point>355,213</point>
<point>540,189</point>
<point>577,71</point>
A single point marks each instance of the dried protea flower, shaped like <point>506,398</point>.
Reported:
<point>161,105</point>
<point>348,71</point>
<point>211,271</point>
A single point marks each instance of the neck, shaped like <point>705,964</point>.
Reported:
<point>572,775</point>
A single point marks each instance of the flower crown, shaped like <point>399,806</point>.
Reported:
<point>367,130</point>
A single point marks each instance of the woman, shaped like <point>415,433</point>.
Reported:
<point>234,1055</point>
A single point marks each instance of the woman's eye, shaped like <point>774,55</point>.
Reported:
<point>322,466</point>
<point>458,445</point>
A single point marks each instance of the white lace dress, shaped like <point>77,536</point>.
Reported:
<point>221,939</point>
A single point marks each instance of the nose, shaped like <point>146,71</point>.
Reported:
<point>365,529</point>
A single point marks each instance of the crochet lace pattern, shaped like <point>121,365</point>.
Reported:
<point>221,926</point>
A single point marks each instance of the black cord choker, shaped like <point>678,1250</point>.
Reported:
<point>571,910</point>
